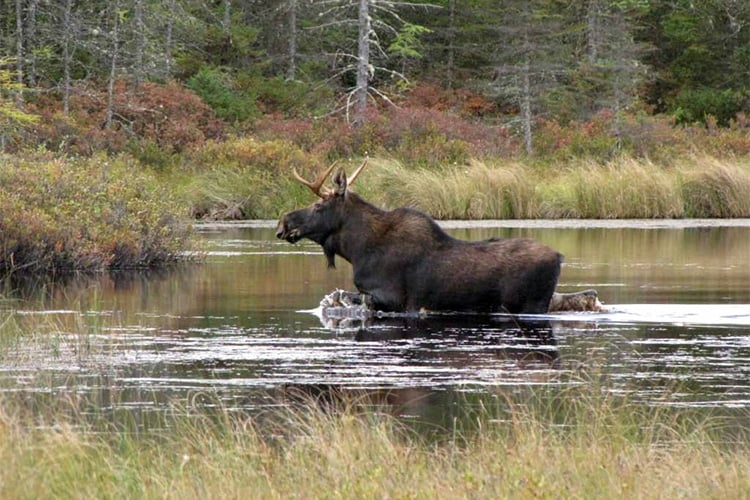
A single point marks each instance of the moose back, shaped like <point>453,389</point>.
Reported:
<point>403,261</point>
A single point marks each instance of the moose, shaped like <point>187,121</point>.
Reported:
<point>404,262</point>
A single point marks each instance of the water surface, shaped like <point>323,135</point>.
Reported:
<point>238,328</point>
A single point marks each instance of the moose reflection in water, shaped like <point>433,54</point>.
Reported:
<point>523,349</point>
<point>404,262</point>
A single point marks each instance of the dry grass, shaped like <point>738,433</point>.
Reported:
<point>578,446</point>
<point>625,189</point>
<point>622,189</point>
<point>715,188</point>
<point>474,191</point>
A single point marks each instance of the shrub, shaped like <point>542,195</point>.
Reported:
<point>594,138</point>
<point>428,137</point>
<point>167,116</point>
<point>288,97</point>
<point>58,214</point>
<point>415,135</point>
<point>461,101</point>
<point>217,91</point>
<point>698,105</point>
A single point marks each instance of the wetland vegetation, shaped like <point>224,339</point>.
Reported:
<point>578,445</point>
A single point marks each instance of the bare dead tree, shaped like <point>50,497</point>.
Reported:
<point>140,43</point>
<point>67,54</point>
<point>19,52</point>
<point>114,53</point>
<point>292,49</point>
<point>374,21</point>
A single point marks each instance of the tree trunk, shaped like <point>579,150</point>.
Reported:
<point>227,16</point>
<point>363,63</point>
<point>140,45</point>
<point>113,65</point>
<point>19,53</point>
<point>30,35</point>
<point>526,95</point>
<point>67,55</point>
<point>292,69</point>
<point>592,30</point>
<point>451,43</point>
<point>168,43</point>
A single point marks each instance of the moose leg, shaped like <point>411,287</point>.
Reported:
<point>587,300</point>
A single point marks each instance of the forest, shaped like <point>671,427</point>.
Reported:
<point>210,104</point>
<point>512,62</point>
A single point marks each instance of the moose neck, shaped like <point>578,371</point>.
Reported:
<point>363,226</point>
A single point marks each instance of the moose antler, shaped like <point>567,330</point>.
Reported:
<point>318,183</point>
<point>357,172</point>
<point>317,186</point>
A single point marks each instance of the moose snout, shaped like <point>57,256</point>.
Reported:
<point>281,229</point>
<point>287,231</point>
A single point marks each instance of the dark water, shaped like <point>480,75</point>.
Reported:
<point>236,330</point>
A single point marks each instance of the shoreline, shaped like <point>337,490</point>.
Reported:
<point>520,223</point>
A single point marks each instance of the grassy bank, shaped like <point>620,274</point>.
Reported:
<point>692,187</point>
<point>580,445</point>
<point>60,214</point>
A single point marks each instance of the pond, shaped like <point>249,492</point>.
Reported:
<point>238,330</point>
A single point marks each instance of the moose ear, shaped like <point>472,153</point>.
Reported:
<point>339,182</point>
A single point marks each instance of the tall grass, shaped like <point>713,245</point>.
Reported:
<point>474,191</point>
<point>582,444</point>
<point>626,189</point>
<point>243,178</point>
<point>621,189</point>
<point>717,189</point>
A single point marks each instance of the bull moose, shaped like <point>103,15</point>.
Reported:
<point>404,262</point>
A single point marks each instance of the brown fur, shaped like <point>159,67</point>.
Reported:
<point>405,262</point>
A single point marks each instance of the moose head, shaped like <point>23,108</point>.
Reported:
<point>323,218</point>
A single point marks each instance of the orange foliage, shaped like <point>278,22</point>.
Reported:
<point>168,115</point>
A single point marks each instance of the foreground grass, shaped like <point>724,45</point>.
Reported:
<point>548,442</point>
<point>578,446</point>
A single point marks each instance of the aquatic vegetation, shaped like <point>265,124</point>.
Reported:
<point>718,189</point>
<point>623,189</point>
<point>241,178</point>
